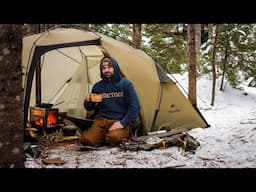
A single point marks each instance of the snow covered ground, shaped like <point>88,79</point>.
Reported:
<point>230,142</point>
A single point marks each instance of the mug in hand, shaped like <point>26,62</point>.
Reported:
<point>96,97</point>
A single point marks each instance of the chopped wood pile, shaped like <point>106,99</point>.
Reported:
<point>162,140</point>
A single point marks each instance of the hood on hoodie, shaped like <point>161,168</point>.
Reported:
<point>117,74</point>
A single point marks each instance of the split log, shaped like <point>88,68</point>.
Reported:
<point>160,135</point>
<point>192,143</point>
<point>55,161</point>
<point>67,138</point>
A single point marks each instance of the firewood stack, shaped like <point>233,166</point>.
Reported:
<point>178,138</point>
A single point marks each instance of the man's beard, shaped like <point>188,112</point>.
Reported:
<point>108,75</point>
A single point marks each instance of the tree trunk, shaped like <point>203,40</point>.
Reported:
<point>224,64</point>
<point>192,64</point>
<point>31,29</point>
<point>213,65</point>
<point>224,69</point>
<point>198,38</point>
<point>136,35</point>
<point>11,134</point>
<point>210,32</point>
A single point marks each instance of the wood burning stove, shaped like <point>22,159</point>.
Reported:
<point>45,119</point>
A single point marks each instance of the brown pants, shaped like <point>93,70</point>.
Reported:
<point>98,134</point>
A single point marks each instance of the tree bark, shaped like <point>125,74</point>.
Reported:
<point>192,64</point>
<point>136,35</point>
<point>213,65</point>
<point>224,64</point>
<point>31,29</point>
<point>11,119</point>
<point>198,38</point>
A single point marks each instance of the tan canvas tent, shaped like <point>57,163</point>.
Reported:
<point>68,60</point>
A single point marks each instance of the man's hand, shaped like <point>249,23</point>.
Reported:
<point>88,97</point>
<point>116,125</point>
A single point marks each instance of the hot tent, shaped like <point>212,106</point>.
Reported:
<point>69,64</point>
